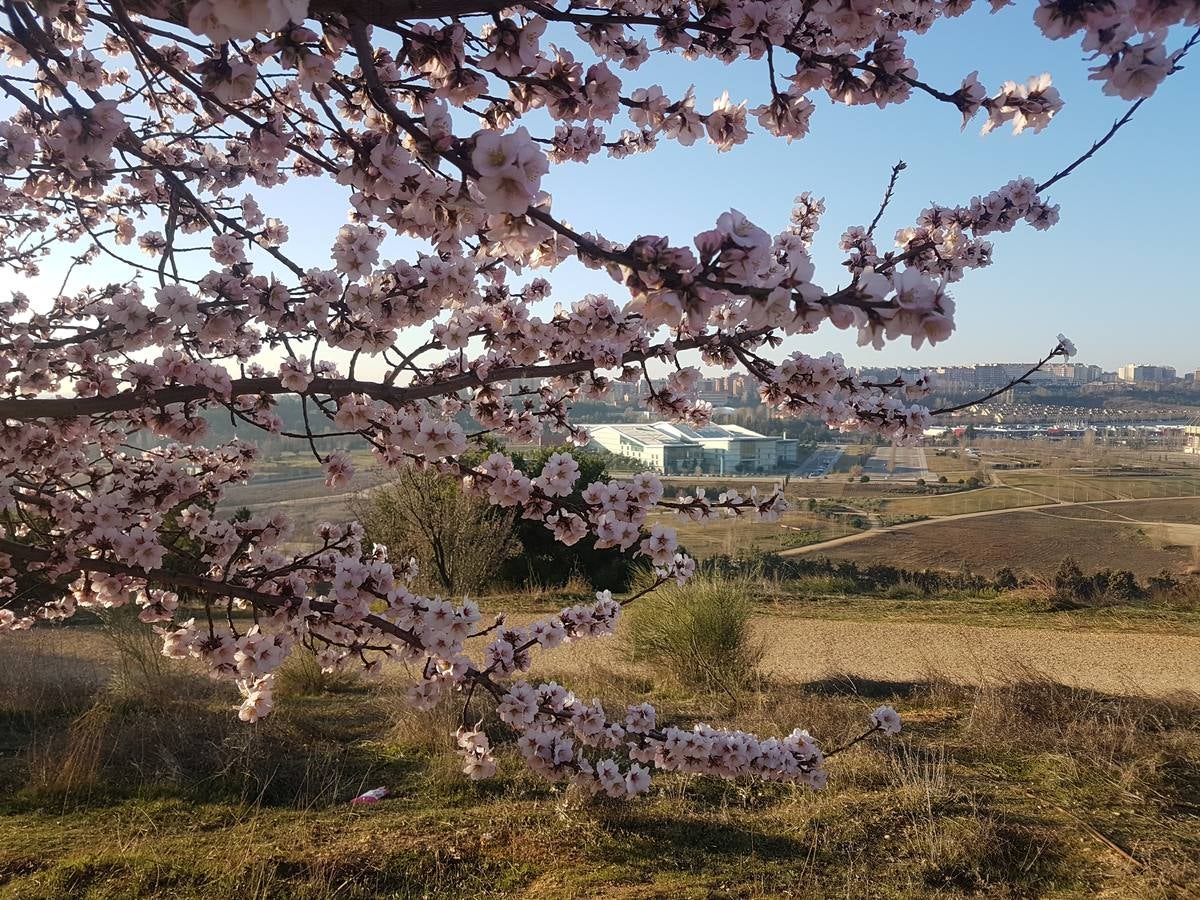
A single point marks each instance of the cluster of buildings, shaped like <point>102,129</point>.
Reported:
<point>710,450</point>
<point>728,393</point>
<point>984,377</point>
<point>1138,374</point>
<point>988,376</point>
<point>721,391</point>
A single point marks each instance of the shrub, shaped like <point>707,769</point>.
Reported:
<point>1006,579</point>
<point>1116,587</point>
<point>1071,587</point>
<point>301,676</point>
<point>459,541</point>
<point>544,562</point>
<point>140,668</point>
<point>1164,581</point>
<point>700,633</point>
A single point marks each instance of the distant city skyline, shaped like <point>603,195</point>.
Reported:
<point>879,361</point>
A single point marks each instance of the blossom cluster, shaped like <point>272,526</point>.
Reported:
<point>148,139</point>
<point>563,738</point>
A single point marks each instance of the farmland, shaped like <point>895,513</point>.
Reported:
<point>1027,541</point>
<point>1138,518</point>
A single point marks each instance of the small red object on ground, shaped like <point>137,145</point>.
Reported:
<point>373,796</point>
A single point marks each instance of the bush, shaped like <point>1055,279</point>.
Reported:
<point>1071,587</point>
<point>1006,579</point>
<point>459,541</point>
<point>301,676</point>
<point>1116,586</point>
<point>700,633</point>
<point>140,668</point>
<point>544,562</point>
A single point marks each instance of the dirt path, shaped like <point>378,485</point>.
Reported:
<point>935,520</point>
<point>1109,661</point>
<point>803,650</point>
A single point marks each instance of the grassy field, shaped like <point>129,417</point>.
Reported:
<point>731,536</point>
<point>119,778</point>
<point>959,502</point>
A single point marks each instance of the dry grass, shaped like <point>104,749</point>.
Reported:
<point>52,670</point>
<point>1073,487</point>
<point>1022,788</point>
<point>1186,511</point>
<point>301,676</point>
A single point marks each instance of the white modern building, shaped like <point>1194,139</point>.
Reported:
<point>710,450</point>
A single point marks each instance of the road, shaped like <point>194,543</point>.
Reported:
<point>819,463</point>
<point>898,464</point>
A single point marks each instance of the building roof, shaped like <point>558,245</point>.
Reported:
<point>711,432</point>
<point>655,434</point>
<point>646,435</point>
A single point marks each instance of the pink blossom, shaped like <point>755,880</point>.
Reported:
<point>338,470</point>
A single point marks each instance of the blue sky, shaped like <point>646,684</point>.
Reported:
<point>1114,274</point>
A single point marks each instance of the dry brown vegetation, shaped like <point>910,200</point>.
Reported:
<point>1023,541</point>
<point>1021,787</point>
<point>1182,510</point>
